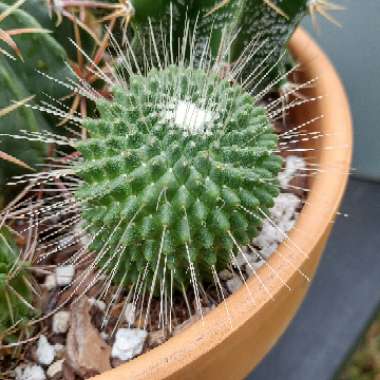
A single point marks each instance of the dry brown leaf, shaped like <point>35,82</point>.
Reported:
<point>86,351</point>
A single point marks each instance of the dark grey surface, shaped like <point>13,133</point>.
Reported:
<point>355,51</point>
<point>342,298</point>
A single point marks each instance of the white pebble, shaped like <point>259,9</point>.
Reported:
<point>293,164</point>
<point>128,343</point>
<point>45,351</point>
<point>64,274</point>
<point>50,282</point>
<point>282,215</point>
<point>129,313</point>
<point>234,284</point>
<point>98,303</point>
<point>240,259</point>
<point>268,249</point>
<point>55,369</point>
<point>61,322</point>
<point>30,372</point>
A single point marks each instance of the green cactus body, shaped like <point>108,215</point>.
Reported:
<point>248,19</point>
<point>19,80</point>
<point>275,30</point>
<point>157,18</point>
<point>241,20</point>
<point>31,152</point>
<point>178,169</point>
<point>15,293</point>
<point>145,9</point>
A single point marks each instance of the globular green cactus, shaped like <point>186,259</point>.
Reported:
<point>177,172</point>
<point>15,293</point>
<point>18,80</point>
<point>228,26</point>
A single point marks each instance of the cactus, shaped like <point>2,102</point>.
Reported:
<point>177,172</point>
<point>24,118</point>
<point>15,293</point>
<point>180,169</point>
<point>235,23</point>
<point>19,80</point>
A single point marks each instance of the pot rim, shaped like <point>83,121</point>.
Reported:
<point>315,219</point>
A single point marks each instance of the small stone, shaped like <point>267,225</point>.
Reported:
<point>234,284</point>
<point>253,267</point>
<point>45,351</point>
<point>156,338</point>
<point>64,274</point>
<point>59,350</point>
<point>283,215</point>
<point>240,259</point>
<point>293,164</point>
<point>97,303</point>
<point>268,249</point>
<point>50,282</point>
<point>55,369</point>
<point>128,343</point>
<point>30,372</point>
<point>129,313</point>
<point>61,322</point>
<point>225,275</point>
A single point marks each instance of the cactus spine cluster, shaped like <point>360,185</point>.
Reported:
<point>175,174</point>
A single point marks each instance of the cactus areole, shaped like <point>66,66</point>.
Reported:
<point>178,173</point>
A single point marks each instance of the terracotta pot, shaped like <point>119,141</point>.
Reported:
<point>218,349</point>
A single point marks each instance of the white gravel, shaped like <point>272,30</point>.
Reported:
<point>282,218</point>
<point>128,343</point>
<point>50,282</point>
<point>61,322</point>
<point>55,369</point>
<point>45,351</point>
<point>30,372</point>
<point>293,164</point>
<point>64,274</point>
<point>129,313</point>
<point>234,283</point>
